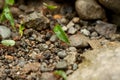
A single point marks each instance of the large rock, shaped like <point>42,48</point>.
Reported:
<point>113,5</point>
<point>89,9</point>
<point>100,64</point>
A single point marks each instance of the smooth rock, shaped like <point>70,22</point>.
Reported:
<point>113,5</point>
<point>61,65</point>
<point>99,64</point>
<point>5,32</point>
<point>78,40</point>
<point>89,9</point>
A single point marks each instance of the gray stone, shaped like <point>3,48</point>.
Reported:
<point>78,40</point>
<point>99,64</point>
<point>105,29</point>
<point>5,32</point>
<point>70,24</point>
<point>61,65</point>
<point>94,34</point>
<point>53,38</point>
<point>89,9</point>
<point>62,54</point>
<point>72,30</point>
<point>85,32</point>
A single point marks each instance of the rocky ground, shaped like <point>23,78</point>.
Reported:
<point>93,30</point>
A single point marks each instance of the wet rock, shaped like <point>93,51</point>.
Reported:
<point>5,32</point>
<point>61,65</point>
<point>105,29</point>
<point>89,9</point>
<point>85,32</point>
<point>62,54</point>
<point>36,20</point>
<point>78,40</point>
<point>113,5</point>
<point>48,76</point>
<point>98,64</point>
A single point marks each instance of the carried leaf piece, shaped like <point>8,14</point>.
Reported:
<point>61,73</point>
<point>51,7</point>
<point>61,34</point>
<point>8,42</point>
<point>10,2</point>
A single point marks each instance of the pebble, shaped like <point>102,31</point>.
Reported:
<point>72,30</point>
<point>94,34</point>
<point>70,24</point>
<point>71,58</point>
<point>4,32</point>
<point>75,66</point>
<point>61,65</point>
<point>62,54</point>
<point>72,49</point>
<point>78,40</point>
<point>48,76</point>
<point>64,28</point>
<point>76,19</point>
<point>43,47</point>
<point>105,29</point>
<point>64,20</point>
<point>85,32</point>
<point>31,67</point>
<point>53,38</point>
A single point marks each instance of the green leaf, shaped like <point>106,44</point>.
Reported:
<point>10,2</point>
<point>9,16</point>
<point>21,28</point>
<point>51,7</point>
<point>2,17</point>
<point>61,73</point>
<point>8,42</point>
<point>61,34</point>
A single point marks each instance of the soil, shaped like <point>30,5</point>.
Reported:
<point>38,52</point>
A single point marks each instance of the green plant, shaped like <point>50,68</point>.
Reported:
<point>60,33</point>
<point>21,28</point>
<point>6,14</point>
<point>50,7</point>
<point>61,73</point>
